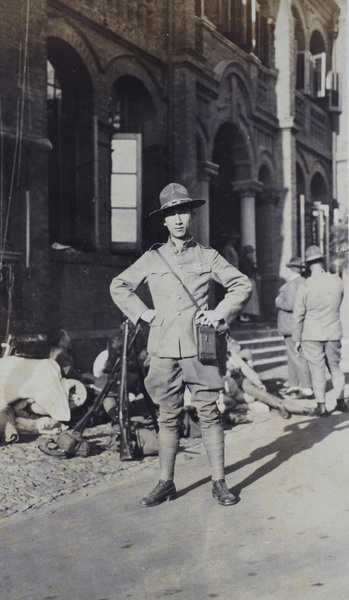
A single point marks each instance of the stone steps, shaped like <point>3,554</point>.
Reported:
<point>266,345</point>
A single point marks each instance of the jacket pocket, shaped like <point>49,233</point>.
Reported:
<point>155,335</point>
<point>198,277</point>
<point>161,283</point>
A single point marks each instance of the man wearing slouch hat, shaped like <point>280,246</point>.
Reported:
<point>179,274</point>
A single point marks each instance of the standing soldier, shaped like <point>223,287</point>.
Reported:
<point>318,329</point>
<point>179,274</point>
<point>299,381</point>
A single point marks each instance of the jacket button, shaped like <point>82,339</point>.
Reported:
<point>178,313</point>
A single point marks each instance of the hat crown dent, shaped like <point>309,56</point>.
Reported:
<point>175,194</point>
<point>313,253</point>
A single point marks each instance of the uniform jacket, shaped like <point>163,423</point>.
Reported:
<point>172,332</point>
<point>316,314</point>
<point>284,302</point>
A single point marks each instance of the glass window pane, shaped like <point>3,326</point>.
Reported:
<point>124,191</point>
<point>124,156</point>
<point>124,225</point>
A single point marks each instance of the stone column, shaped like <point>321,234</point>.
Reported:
<point>247,191</point>
<point>206,170</point>
<point>269,214</point>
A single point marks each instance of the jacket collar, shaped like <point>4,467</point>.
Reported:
<point>188,244</point>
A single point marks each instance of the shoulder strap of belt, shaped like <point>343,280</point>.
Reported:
<point>179,279</point>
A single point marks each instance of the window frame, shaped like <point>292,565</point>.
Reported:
<point>137,244</point>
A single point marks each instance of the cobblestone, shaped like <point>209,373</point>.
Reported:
<point>30,479</point>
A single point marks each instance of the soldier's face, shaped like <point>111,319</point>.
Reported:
<point>179,222</point>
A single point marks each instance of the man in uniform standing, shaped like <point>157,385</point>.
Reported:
<point>318,329</point>
<point>299,380</point>
<point>175,268</point>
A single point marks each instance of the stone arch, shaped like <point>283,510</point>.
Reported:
<point>232,153</point>
<point>70,109</point>
<point>265,163</point>
<point>318,168</point>
<point>64,30</point>
<point>231,68</point>
<point>133,111</point>
<point>301,159</point>
<point>317,42</point>
<point>319,188</point>
<point>128,64</point>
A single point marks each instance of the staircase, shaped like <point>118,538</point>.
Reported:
<point>265,343</point>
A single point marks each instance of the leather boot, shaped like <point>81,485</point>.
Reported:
<point>341,405</point>
<point>320,411</point>
<point>221,493</point>
<point>165,490</point>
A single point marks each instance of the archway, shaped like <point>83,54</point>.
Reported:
<point>70,162</point>
<point>133,111</point>
<point>231,155</point>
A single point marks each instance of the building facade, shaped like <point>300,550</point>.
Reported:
<point>103,103</point>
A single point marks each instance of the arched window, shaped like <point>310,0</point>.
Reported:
<point>70,163</point>
<point>136,165</point>
<point>318,56</point>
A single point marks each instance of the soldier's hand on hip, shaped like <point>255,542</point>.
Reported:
<point>208,317</point>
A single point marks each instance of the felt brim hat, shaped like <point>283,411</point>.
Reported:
<point>295,263</point>
<point>175,195</point>
<point>313,253</point>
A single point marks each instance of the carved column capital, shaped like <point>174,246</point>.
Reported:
<point>247,188</point>
<point>270,195</point>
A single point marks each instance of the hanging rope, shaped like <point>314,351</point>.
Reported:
<point>19,136</point>
<point>22,82</point>
<point>1,175</point>
<point>10,287</point>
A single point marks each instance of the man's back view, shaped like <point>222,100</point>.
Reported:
<point>318,329</point>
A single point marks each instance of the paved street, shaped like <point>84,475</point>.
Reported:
<point>286,539</point>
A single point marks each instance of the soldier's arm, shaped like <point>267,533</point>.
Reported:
<point>299,313</point>
<point>123,289</point>
<point>238,288</point>
<point>286,297</point>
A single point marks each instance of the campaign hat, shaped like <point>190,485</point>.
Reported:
<point>295,263</point>
<point>313,253</point>
<point>175,195</point>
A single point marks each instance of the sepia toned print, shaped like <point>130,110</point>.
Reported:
<point>213,132</point>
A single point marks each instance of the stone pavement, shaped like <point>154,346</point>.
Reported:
<point>31,479</point>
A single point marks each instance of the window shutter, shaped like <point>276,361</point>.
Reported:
<point>304,75</point>
<point>319,75</point>
<point>333,87</point>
